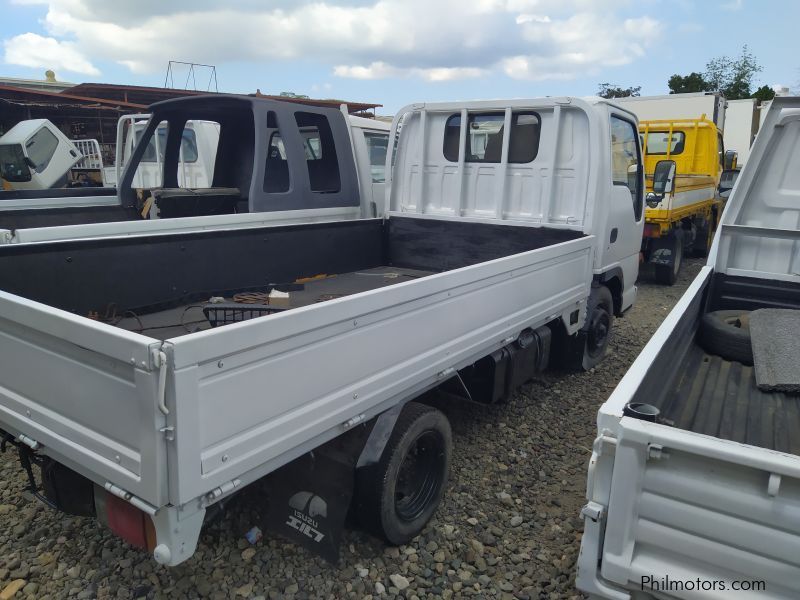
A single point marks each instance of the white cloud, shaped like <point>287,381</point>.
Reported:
<point>381,70</point>
<point>32,50</point>
<point>363,39</point>
<point>572,46</point>
<point>733,5</point>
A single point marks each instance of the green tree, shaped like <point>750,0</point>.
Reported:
<point>610,90</point>
<point>764,93</point>
<point>732,76</point>
<point>683,84</point>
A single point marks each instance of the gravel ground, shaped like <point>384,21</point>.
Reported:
<point>508,526</point>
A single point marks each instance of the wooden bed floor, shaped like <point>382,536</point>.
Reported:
<point>189,318</point>
<point>718,397</point>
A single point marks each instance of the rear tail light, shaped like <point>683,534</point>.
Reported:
<point>125,520</point>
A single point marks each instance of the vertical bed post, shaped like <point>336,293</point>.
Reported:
<point>550,189</point>
<point>502,169</point>
<point>462,156</point>
<point>423,143</point>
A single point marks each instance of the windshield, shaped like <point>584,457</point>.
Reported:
<point>13,167</point>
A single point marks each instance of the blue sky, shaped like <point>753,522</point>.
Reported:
<point>394,52</point>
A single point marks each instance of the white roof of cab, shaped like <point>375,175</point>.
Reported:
<point>365,123</point>
<point>21,131</point>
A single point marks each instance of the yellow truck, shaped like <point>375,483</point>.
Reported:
<point>684,160</point>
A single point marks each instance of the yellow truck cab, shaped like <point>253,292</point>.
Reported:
<point>684,159</point>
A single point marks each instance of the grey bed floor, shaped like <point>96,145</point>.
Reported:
<point>720,398</point>
<point>189,318</point>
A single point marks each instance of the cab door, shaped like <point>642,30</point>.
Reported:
<point>623,235</point>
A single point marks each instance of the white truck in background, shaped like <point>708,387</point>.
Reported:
<point>489,257</point>
<point>36,155</point>
<point>693,487</point>
<point>679,106</point>
<point>35,215</point>
<point>195,164</point>
<point>742,122</point>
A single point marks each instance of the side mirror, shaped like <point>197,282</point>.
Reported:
<point>664,177</point>
<point>30,163</point>
<point>730,161</point>
<point>726,181</point>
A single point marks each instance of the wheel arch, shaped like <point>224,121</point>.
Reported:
<point>614,280</point>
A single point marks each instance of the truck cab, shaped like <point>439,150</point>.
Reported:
<point>475,161</point>
<point>36,155</point>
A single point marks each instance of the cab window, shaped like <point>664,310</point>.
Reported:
<point>276,169</point>
<point>13,167</point>
<point>41,147</point>
<point>377,143</point>
<point>321,160</point>
<point>485,137</point>
<point>626,164</point>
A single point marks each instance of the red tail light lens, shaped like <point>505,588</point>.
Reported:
<point>125,520</point>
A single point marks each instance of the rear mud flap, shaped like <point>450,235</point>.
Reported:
<point>309,498</point>
<point>661,252</point>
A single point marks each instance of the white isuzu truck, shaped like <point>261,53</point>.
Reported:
<point>694,481</point>
<point>145,379</point>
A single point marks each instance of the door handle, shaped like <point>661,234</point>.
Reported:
<point>613,235</point>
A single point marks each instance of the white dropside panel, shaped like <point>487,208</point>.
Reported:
<point>85,391</point>
<point>177,225</point>
<point>551,189</point>
<point>760,233</point>
<point>254,395</point>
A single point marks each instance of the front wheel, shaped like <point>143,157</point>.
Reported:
<point>597,329</point>
<point>398,496</point>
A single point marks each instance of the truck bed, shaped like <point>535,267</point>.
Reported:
<point>189,318</point>
<point>171,416</point>
<point>707,394</point>
<point>720,398</point>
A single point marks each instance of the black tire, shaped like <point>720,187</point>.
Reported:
<point>596,331</point>
<point>668,274</point>
<point>726,333</point>
<point>397,497</point>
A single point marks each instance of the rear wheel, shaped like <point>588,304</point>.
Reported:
<point>397,497</point>
<point>668,274</point>
<point>597,329</point>
<point>702,240</point>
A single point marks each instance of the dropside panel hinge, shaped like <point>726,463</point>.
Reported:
<point>593,511</point>
<point>656,452</point>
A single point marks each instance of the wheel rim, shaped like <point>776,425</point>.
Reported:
<point>598,332</point>
<point>419,477</point>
